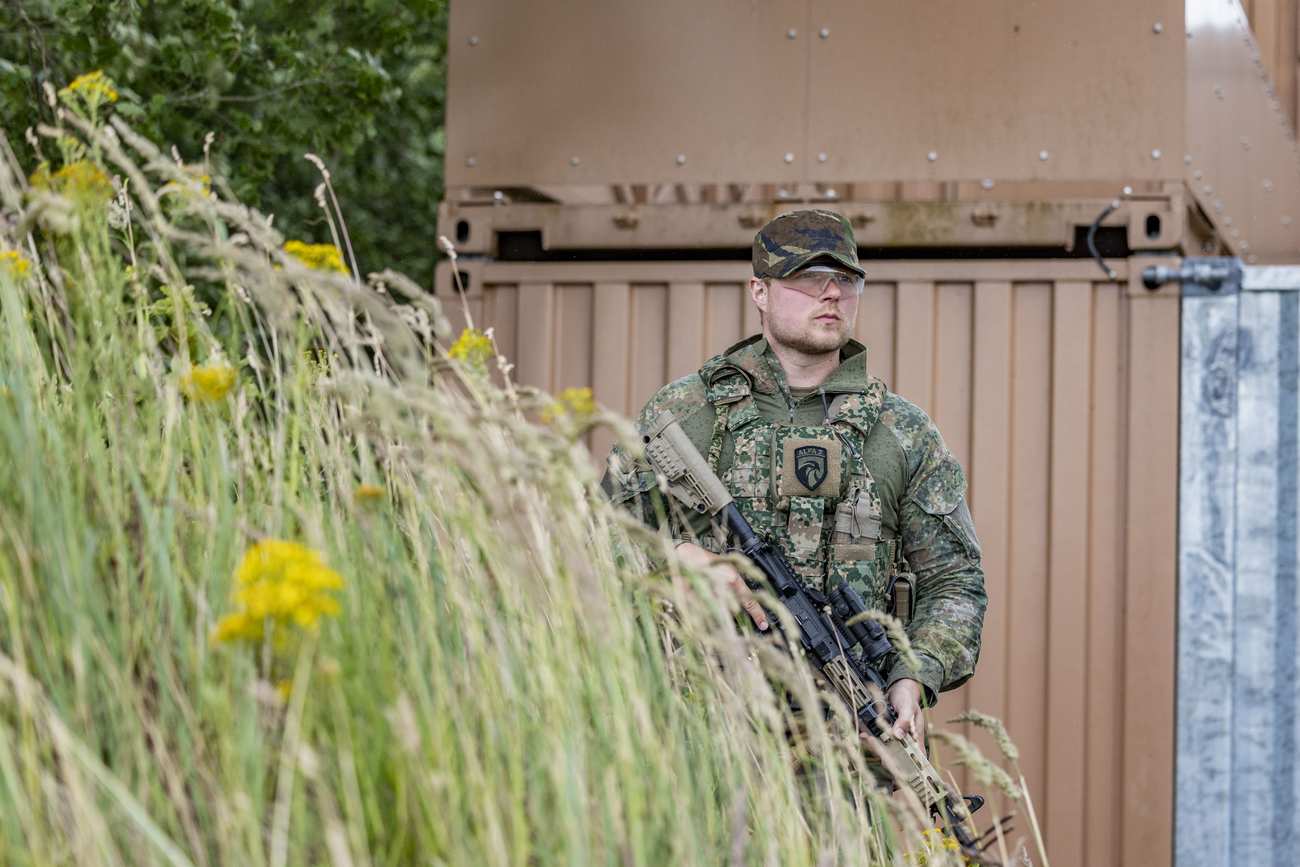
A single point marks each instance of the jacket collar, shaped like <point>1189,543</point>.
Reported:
<point>754,359</point>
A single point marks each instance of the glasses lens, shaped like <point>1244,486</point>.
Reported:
<point>815,283</point>
<point>849,283</point>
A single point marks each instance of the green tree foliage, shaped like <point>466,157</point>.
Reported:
<point>358,82</point>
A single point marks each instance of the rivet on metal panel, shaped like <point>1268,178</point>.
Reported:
<point>1155,153</point>
<point>1128,191</point>
<point>574,161</point>
<point>473,41</point>
<point>791,33</point>
<point>825,33</point>
<point>984,216</point>
<point>789,157</point>
<point>783,193</point>
<point>831,194</point>
<point>1042,156</point>
<point>987,183</point>
<point>932,156</point>
<point>498,197</point>
<point>1187,159</point>
<point>471,161</point>
<point>1158,27</point>
<point>1268,185</point>
<point>681,159</point>
<point>1198,174</point>
<point>822,157</point>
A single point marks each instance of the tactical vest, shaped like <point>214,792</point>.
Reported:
<point>808,489</point>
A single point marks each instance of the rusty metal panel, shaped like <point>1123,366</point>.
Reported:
<point>1059,394</point>
<point>1243,165</point>
<point>950,89</point>
<point>597,91</point>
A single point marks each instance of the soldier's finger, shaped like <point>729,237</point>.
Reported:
<point>906,721</point>
<point>757,614</point>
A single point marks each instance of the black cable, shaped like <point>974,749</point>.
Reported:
<point>1092,239</point>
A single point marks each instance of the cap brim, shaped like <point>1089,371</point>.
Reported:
<point>807,259</point>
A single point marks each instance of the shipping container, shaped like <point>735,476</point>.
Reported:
<point>609,163</point>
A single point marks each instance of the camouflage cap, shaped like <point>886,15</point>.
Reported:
<point>793,240</point>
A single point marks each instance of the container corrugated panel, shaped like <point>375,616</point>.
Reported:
<point>1058,393</point>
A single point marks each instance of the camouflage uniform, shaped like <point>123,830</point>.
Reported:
<point>853,482</point>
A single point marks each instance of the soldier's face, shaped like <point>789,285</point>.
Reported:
<point>811,323</point>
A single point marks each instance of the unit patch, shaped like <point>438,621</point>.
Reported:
<point>810,467</point>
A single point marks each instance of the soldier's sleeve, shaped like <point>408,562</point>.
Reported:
<point>941,546</point>
<point>631,483</point>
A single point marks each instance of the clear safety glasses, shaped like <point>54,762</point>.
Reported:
<point>814,282</point>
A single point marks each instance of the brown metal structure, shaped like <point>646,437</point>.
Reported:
<point>820,90</point>
<point>622,104</point>
<point>1276,25</point>
<point>986,136</point>
<point>1242,162</point>
<point>1057,391</point>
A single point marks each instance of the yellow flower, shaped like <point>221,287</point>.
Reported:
<point>196,181</point>
<point>95,88</point>
<point>472,347</point>
<point>575,402</point>
<point>82,181</point>
<point>368,493</point>
<point>238,627</point>
<point>279,583</point>
<point>933,840</point>
<point>14,263</point>
<point>208,382</point>
<point>319,257</point>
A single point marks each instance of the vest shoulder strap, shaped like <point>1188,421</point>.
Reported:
<point>724,393</point>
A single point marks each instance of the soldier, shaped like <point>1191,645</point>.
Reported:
<point>852,481</point>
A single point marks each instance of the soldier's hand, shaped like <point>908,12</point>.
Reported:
<point>905,696</point>
<point>708,563</point>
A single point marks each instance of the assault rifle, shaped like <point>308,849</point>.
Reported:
<point>830,627</point>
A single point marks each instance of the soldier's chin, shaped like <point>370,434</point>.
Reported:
<point>816,342</point>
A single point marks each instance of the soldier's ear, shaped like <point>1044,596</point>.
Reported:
<point>758,290</point>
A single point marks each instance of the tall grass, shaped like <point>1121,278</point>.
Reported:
<point>510,678</point>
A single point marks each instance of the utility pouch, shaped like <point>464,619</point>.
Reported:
<point>902,596</point>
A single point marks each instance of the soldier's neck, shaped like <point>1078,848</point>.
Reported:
<point>803,370</point>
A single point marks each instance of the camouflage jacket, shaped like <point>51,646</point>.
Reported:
<point>885,499</point>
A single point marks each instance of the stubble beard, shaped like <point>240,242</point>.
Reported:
<point>809,339</point>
